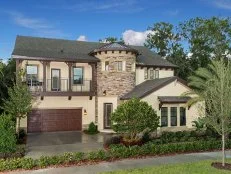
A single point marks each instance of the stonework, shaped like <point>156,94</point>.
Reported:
<point>113,82</point>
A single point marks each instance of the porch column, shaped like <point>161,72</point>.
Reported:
<point>69,76</point>
<point>93,83</point>
<point>44,75</point>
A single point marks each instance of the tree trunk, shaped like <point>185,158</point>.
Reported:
<point>223,145</point>
<point>18,128</point>
<point>223,150</point>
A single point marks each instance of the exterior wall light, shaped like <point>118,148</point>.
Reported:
<point>85,112</point>
<point>104,92</point>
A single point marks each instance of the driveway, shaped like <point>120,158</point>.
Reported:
<point>54,143</point>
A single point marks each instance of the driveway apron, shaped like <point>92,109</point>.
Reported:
<point>54,143</point>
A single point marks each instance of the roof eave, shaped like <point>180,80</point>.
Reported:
<point>54,59</point>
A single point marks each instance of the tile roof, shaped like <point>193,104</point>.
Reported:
<point>115,47</point>
<point>150,86</point>
<point>78,50</point>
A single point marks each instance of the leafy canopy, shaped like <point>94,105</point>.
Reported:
<point>133,117</point>
<point>191,44</point>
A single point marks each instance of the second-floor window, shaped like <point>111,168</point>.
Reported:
<point>32,72</point>
<point>77,75</point>
<point>151,74</point>
<point>145,73</point>
<point>106,68</point>
<point>156,74</point>
<point>119,66</point>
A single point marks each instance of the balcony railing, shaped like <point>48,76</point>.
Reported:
<point>58,85</point>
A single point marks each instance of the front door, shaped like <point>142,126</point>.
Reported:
<point>108,108</point>
<point>55,79</point>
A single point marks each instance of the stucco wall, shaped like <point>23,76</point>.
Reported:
<point>163,72</point>
<point>173,89</point>
<point>101,101</point>
<point>58,65</point>
<point>62,102</point>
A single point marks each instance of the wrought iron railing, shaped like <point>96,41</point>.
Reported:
<point>59,85</point>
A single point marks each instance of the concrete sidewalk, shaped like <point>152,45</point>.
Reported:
<point>130,164</point>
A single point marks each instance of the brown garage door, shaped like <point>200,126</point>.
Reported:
<point>51,120</point>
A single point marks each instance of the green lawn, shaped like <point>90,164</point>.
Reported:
<point>202,167</point>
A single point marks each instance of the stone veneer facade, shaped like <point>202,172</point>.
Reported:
<point>115,83</point>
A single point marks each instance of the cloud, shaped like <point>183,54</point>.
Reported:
<point>132,37</point>
<point>223,4</point>
<point>82,38</point>
<point>40,27</point>
<point>122,6</point>
<point>27,22</point>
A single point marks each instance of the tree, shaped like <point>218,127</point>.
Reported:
<point>204,38</point>
<point>133,117</point>
<point>166,42</point>
<point>162,38</point>
<point>213,86</point>
<point>111,40</point>
<point>19,103</point>
<point>7,138</point>
<point>208,39</point>
<point>7,79</point>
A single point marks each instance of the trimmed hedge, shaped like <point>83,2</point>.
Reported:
<point>115,152</point>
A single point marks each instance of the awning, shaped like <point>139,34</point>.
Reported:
<point>173,99</point>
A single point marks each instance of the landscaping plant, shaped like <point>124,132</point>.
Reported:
<point>132,117</point>
<point>19,103</point>
<point>7,137</point>
<point>212,85</point>
<point>114,152</point>
<point>92,129</point>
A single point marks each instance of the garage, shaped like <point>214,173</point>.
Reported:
<point>52,120</point>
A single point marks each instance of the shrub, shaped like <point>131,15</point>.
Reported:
<point>73,157</point>
<point>115,151</point>
<point>112,140</point>
<point>134,116</point>
<point>92,129</point>
<point>146,137</point>
<point>7,138</point>
<point>98,155</point>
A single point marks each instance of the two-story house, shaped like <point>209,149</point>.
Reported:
<point>76,82</point>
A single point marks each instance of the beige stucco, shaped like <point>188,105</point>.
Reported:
<point>62,102</point>
<point>101,101</point>
<point>163,72</point>
<point>93,109</point>
<point>173,89</point>
<point>64,73</point>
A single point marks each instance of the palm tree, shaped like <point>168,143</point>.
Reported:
<point>212,87</point>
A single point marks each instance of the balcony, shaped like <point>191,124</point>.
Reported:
<point>60,87</point>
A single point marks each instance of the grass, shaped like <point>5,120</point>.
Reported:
<point>202,167</point>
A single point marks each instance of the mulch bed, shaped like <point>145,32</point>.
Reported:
<point>218,165</point>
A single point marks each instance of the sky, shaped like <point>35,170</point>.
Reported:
<point>91,20</point>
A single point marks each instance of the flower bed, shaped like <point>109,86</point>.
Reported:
<point>115,152</point>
